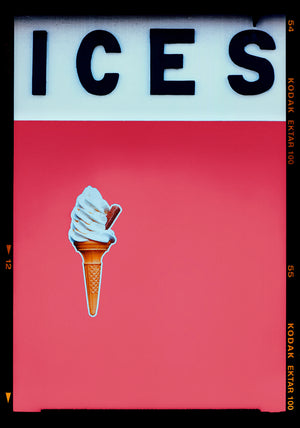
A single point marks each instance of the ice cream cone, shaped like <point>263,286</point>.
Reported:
<point>92,253</point>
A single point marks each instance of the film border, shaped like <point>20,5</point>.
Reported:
<point>6,170</point>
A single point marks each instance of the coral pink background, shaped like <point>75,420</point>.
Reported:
<point>192,305</point>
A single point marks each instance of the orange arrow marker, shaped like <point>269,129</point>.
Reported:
<point>8,394</point>
<point>8,247</point>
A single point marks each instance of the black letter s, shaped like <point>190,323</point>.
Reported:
<point>251,62</point>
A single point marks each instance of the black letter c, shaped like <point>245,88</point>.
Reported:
<point>83,62</point>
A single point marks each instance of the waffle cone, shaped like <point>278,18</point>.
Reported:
<point>92,253</point>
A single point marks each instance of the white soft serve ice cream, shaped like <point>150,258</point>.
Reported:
<point>89,218</point>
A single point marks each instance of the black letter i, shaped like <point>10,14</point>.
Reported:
<point>39,61</point>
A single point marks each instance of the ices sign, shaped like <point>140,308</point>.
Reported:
<point>159,62</point>
<point>149,68</point>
